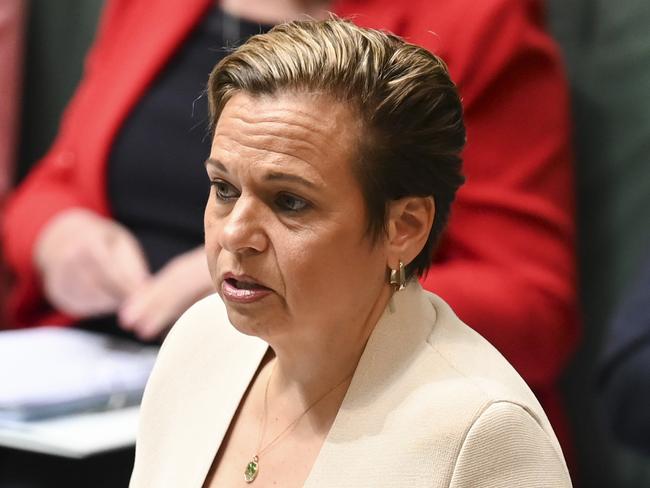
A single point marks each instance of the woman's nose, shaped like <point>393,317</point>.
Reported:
<point>243,230</point>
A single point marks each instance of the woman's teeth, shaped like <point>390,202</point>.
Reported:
<point>244,285</point>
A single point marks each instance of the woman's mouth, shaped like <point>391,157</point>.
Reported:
<point>243,290</point>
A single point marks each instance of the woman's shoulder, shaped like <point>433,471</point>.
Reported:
<point>468,367</point>
<point>442,405</point>
<point>472,357</point>
<point>422,330</point>
<point>469,362</point>
<point>441,366</point>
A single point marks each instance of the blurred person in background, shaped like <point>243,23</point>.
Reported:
<point>106,230</point>
<point>607,49</point>
<point>11,48</point>
<point>625,379</point>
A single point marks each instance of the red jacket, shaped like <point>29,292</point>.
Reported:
<point>506,264</point>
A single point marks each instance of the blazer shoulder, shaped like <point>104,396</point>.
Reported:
<point>528,457</point>
<point>431,389</point>
<point>474,368</point>
<point>473,360</point>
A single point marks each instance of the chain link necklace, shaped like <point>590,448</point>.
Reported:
<point>253,466</point>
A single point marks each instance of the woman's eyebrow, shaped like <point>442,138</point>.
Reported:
<point>270,176</point>
<point>279,176</point>
<point>216,163</point>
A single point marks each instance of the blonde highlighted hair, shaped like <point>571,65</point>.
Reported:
<point>411,112</point>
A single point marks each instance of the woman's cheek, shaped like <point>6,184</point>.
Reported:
<point>212,250</point>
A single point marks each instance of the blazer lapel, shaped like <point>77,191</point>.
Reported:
<point>202,381</point>
<point>225,390</point>
<point>214,415</point>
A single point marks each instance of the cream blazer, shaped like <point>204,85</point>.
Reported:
<point>431,404</point>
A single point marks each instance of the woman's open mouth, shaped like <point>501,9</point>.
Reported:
<point>242,289</point>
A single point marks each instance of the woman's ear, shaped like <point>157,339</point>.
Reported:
<point>409,222</point>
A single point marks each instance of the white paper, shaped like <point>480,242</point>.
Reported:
<point>51,370</point>
<point>74,436</point>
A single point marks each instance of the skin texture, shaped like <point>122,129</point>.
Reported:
<point>88,264</point>
<point>286,211</point>
<point>155,305</point>
<point>91,265</point>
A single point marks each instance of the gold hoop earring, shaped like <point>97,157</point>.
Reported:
<point>398,277</point>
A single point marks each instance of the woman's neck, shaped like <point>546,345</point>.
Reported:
<point>306,367</point>
<point>275,11</point>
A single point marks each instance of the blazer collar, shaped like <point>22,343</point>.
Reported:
<point>401,331</point>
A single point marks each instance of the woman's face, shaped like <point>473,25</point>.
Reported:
<point>285,221</point>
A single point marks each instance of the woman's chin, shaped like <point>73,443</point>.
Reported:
<point>247,321</point>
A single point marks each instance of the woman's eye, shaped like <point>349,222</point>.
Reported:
<point>224,191</point>
<point>291,203</point>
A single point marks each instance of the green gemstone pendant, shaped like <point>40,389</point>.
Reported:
<point>252,468</point>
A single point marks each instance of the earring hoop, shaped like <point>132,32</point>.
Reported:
<point>398,277</point>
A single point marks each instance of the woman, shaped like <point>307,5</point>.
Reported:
<point>334,162</point>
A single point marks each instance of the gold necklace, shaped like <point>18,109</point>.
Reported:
<point>253,466</point>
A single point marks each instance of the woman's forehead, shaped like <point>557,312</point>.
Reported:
<point>315,130</point>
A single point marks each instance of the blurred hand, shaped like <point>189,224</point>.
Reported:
<point>88,264</point>
<point>154,307</point>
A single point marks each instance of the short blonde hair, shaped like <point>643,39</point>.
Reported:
<point>411,113</point>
